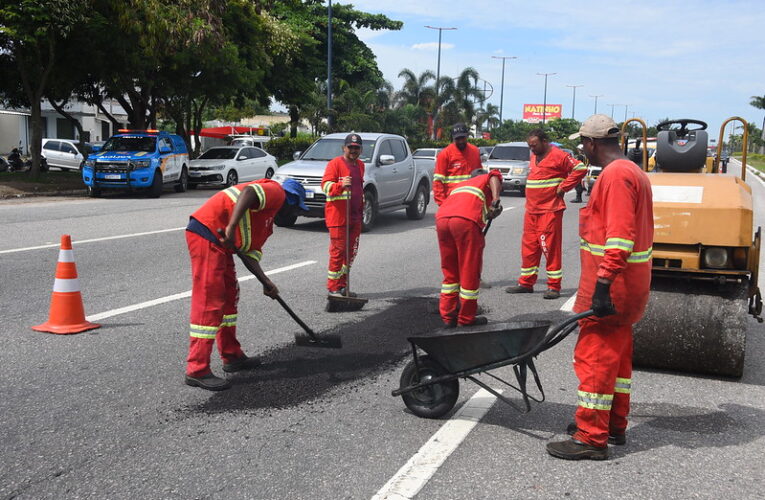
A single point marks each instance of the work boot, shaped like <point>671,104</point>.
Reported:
<point>519,289</point>
<point>452,323</point>
<point>551,294</point>
<point>477,321</point>
<point>209,382</point>
<point>335,293</point>
<point>616,439</point>
<point>349,294</point>
<point>243,363</point>
<point>572,449</point>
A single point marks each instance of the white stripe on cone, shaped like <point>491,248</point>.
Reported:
<point>66,285</point>
<point>66,256</point>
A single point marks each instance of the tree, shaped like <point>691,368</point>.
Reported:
<point>759,103</point>
<point>32,34</point>
<point>415,90</point>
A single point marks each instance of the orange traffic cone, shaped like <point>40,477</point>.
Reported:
<point>67,314</point>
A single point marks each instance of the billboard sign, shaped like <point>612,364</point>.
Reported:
<point>532,113</point>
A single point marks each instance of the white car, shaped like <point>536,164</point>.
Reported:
<point>229,165</point>
<point>63,153</point>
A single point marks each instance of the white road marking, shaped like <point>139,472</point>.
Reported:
<point>183,295</point>
<point>93,240</point>
<point>416,473</point>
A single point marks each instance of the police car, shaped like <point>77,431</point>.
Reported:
<point>138,160</point>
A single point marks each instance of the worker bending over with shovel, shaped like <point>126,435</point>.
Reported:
<point>343,184</point>
<point>460,223</point>
<point>616,231</point>
<point>245,214</point>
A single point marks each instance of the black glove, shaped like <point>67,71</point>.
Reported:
<point>601,300</point>
<point>496,209</point>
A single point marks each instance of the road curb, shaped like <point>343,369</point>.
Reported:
<point>72,192</point>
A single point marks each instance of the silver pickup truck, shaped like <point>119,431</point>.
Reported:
<point>392,180</point>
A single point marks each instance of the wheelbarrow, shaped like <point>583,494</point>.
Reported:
<point>429,383</point>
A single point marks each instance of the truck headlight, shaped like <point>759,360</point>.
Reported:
<point>138,164</point>
<point>716,257</point>
<point>279,178</point>
<point>90,163</point>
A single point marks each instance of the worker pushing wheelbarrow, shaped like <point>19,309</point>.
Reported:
<point>429,385</point>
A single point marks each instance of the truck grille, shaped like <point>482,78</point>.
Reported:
<point>112,168</point>
<point>307,180</point>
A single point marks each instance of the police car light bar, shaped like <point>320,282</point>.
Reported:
<point>127,131</point>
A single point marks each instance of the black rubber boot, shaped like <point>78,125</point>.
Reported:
<point>519,289</point>
<point>615,439</point>
<point>572,449</point>
<point>478,321</point>
<point>209,382</point>
<point>551,294</point>
<point>244,363</point>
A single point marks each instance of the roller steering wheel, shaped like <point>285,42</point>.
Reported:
<point>683,122</point>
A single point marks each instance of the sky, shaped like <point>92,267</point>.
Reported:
<point>653,59</point>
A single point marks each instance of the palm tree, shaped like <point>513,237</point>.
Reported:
<point>415,89</point>
<point>759,103</point>
<point>489,114</point>
<point>456,98</point>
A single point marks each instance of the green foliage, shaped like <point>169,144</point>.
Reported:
<point>284,147</point>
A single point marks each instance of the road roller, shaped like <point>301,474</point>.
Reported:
<point>706,255</point>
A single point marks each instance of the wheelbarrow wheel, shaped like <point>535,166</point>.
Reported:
<point>434,400</point>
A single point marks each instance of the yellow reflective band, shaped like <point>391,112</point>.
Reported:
<point>595,401</point>
<point>451,179</point>
<point>202,331</point>
<point>468,294</point>
<point>255,254</point>
<point>470,189</point>
<point>580,166</point>
<point>233,193</point>
<point>529,271</point>
<point>335,275</point>
<point>261,196</point>
<point>638,257</point>
<point>555,274</point>
<point>449,288</point>
<point>600,250</point>
<point>543,183</point>
<point>245,227</point>
<point>439,177</point>
<point>620,243</point>
<point>229,320</point>
<point>623,385</point>
<point>327,187</point>
<point>346,195</point>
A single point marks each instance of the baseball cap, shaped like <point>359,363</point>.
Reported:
<point>295,193</point>
<point>353,140</point>
<point>459,130</point>
<point>597,127</point>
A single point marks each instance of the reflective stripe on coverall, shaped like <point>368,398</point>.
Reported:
<point>452,167</point>
<point>616,230</point>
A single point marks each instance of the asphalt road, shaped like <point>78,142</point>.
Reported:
<point>105,414</point>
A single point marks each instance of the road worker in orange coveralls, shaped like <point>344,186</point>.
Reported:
<point>454,163</point>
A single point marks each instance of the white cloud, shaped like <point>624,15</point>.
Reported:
<point>432,46</point>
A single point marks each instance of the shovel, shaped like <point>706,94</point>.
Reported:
<point>346,303</point>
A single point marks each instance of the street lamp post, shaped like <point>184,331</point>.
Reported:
<point>329,65</point>
<point>625,111</point>
<point>502,86</point>
<point>544,104</point>
<point>438,73</point>
<point>612,110</point>
<point>573,102</point>
<point>596,102</point>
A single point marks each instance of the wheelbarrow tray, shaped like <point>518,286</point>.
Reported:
<point>474,348</point>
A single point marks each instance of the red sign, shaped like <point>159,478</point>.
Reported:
<point>486,135</point>
<point>532,113</point>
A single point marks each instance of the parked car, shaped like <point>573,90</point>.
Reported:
<point>138,160</point>
<point>229,165</point>
<point>426,157</point>
<point>512,160</point>
<point>591,176</point>
<point>392,179</point>
<point>65,153</point>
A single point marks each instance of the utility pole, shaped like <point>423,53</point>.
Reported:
<point>544,104</point>
<point>438,74</point>
<point>596,103</point>
<point>625,112</point>
<point>502,87</point>
<point>612,110</point>
<point>329,65</point>
<point>573,102</point>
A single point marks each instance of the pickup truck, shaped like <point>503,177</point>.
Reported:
<point>392,180</point>
<point>512,160</point>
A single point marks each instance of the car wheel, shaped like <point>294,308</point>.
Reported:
<point>285,220</point>
<point>94,192</point>
<point>183,182</point>
<point>269,173</point>
<point>232,178</point>
<point>155,191</point>
<point>432,401</point>
<point>369,211</point>
<point>416,209</point>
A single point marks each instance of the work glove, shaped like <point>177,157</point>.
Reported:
<point>601,300</point>
<point>496,209</point>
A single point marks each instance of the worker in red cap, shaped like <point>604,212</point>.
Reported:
<point>616,231</point>
<point>454,163</point>
<point>244,214</point>
<point>459,223</point>
<point>343,184</point>
<point>552,172</point>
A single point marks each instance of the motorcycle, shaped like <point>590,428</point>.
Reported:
<point>16,163</point>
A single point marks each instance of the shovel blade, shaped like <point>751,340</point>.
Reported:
<point>345,304</point>
<point>324,341</point>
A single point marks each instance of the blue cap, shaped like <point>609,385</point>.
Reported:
<point>295,193</point>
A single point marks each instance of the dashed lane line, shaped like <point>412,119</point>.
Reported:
<point>93,240</point>
<point>416,473</point>
<point>183,295</point>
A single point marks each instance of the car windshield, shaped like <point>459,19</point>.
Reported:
<point>424,153</point>
<point>219,154</point>
<point>326,149</point>
<point>131,143</point>
<point>510,153</point>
